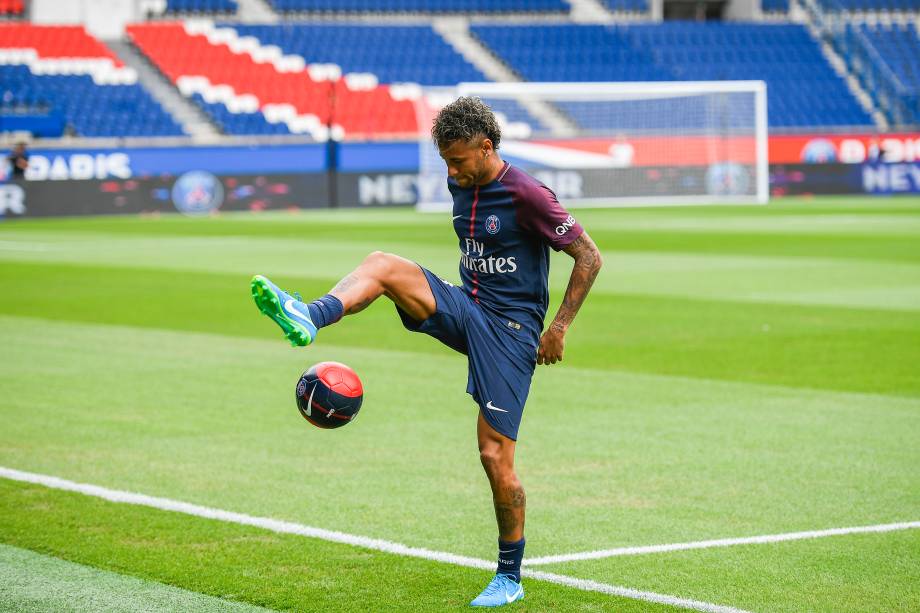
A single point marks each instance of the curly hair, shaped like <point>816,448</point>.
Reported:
<point>464,119</point>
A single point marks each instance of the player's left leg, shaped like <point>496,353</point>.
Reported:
<point>496,452</point>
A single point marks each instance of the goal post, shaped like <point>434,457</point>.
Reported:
<point>619,144</point>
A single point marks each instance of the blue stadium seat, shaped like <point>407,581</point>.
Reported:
<point>775,6</point>
<point>628,6</point>
<point>201,6</point>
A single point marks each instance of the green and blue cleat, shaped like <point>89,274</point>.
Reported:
<point>291,315</point>
<point>501,590</point>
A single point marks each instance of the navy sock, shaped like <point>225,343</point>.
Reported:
<point>509,558</point>
<point>326,310</point>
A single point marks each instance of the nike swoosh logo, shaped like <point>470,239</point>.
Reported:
<point>506,550</point>
<point>289,307</point>
<point>492,407</point>
<point>456,216</point>
<point>515,595</point>
<point>310,401</point>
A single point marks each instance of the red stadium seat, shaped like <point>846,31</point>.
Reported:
<point>54,41</point>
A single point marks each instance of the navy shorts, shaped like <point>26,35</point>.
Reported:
<point>501,360</point>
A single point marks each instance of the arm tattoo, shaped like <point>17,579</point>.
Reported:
<point>587,264</point>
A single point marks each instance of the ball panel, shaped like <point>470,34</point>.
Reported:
<point>341,378</point>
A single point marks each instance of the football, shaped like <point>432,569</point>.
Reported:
<point>329,395</point>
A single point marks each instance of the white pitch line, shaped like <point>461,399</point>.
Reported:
<point>747,540</point>
<point>284,527</point>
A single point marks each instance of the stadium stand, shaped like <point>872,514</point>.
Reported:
<point>249,77</point>
<point>803,88</point>
<point>420,6</point>
<point>63,72</point>
<point>12,8</point>
<point>393,54</point>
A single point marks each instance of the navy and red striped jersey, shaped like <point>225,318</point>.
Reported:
<point>506,229</point>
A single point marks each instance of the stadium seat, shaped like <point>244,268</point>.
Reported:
<point>12,8</point>
<point>775,6</point>
<point>627,6</point>
<point>63,71</point>
<point>201,6</point>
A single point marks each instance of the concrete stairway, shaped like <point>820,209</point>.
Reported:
<point>192,119</point>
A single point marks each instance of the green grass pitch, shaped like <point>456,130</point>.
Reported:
<point>736,371</point>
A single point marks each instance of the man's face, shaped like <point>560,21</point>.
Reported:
<point>466,161</point>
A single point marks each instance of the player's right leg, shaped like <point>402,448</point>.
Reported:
<point>379,274</point>
<point>401,280</point>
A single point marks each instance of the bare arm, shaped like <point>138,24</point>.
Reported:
<point>587,264</point>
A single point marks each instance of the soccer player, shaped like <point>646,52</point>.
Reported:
<point>506,222</point>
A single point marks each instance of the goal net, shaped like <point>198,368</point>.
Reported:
<point>612,144</point>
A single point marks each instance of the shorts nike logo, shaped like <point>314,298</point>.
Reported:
<point>492,407</point>
<point>289,308</point>
<point>456,216</point>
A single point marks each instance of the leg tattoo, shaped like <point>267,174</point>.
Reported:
<point>357,308</point>
<point>509,513</point>
<point>346,283</point>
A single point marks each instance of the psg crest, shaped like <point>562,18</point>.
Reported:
<point>197,193</point>
<point>492,224</point>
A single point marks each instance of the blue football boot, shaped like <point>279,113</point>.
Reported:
<point>286,310</point>
<point>500,591</point>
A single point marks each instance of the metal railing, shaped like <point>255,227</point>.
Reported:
<point>899,102</point>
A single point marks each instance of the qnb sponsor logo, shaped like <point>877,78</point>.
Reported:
<point>474,259</point>
<point>79,167</point>
<point>565,226</point>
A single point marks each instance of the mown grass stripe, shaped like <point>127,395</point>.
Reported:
<point>34,582</point>
<point>284,527</point>
<point>748,540</point>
